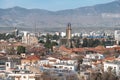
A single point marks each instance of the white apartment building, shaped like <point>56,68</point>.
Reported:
<point>62,66</point>
<point>115,65</point>
<point>59,63</point>
<point>96,56</point>
<point>117,36</point>
<point>66,64</point>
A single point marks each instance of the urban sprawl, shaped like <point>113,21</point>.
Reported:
<point>93,55</point>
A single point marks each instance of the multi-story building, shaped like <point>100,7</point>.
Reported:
<point>117,36</point>
<point>63,64</point>
<point>29,38</point>
<point>115,66</point>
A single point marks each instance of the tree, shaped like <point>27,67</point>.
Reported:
<point>96,42</point>
<point>48,42</point>
<point>21,49</point>
<point>41,41</point>
<point>109,75</point>
<point>54,43</point>
<point>90,41</point>
<point>77,45</point>
<point>96,76</point>
<point>79,61</point>
<point>11,51</point>
<point>55,37</point>
<point>85,42</point>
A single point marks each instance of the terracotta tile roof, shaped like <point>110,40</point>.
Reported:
<point>109,59</point>
<point>78,49</point>
<point>63,48</point>
<point>49,66</point>
<point>98,49</point>
<point>65,58</point>
<point>52,60</point>
<point>33,57</point>
<point>95,64</point>
<point>117,48</point>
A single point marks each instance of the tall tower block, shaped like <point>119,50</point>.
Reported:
<point>68,31</point>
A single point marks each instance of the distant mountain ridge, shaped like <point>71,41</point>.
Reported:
<point>101,15</point>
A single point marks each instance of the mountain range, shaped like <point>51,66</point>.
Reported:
<point>100,15</point>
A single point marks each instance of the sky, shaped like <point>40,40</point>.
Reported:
<point>52,5</point>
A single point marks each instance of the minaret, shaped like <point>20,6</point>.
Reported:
<point>68,31</point>
<point>16,32</point>
<point>68,35</point>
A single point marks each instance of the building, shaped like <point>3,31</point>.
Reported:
<point>67,40</point>
<point>48,61</point>
<point>62,64</point>
<point>117,36</point>
<point>16,32</point>
<point>115,66</point>
<point>95,56</point>
<point>29,39</point>
<point>24,75</point>
<point>30,60</point>
<point>65,66</point>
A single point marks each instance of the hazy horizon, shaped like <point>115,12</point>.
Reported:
<point>51,5</point>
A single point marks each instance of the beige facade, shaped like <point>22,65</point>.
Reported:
<point>29,39</point>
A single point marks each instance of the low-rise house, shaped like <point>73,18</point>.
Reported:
<point>66,63</point>
<point>30,60</point>
<point>62,63</point>
<point>65,66</point>
<point>48,61</point>
<point>95,56</point>
<point>87,61</point>
<point>24,75</point>
<point>52,60</point>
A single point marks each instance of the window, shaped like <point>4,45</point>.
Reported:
<point>60,66</point>
<point>24,76</point>
<point>7,64</point>
<point>70,67</point>
<point>114,68</point>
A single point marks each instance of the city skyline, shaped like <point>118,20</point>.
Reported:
<point>52,5</point>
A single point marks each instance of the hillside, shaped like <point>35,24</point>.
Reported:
<point>101,15</point>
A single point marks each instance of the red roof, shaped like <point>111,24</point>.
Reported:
<point>109,59</point>
<point>99,49</point>
<point>33,57</point>
<point>63,48</point>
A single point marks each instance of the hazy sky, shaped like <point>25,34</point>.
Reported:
<point>50,4</point>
